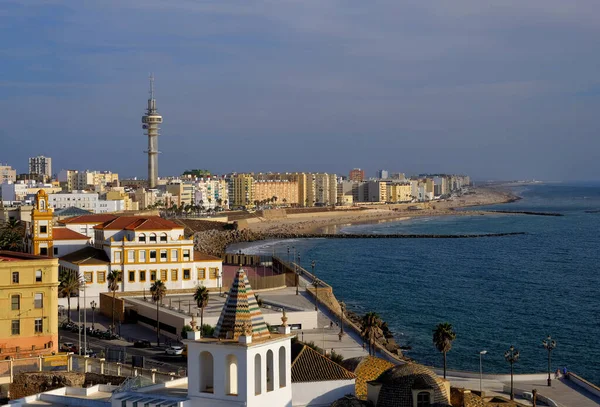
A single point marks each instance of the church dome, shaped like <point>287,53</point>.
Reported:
<point>400,383</point>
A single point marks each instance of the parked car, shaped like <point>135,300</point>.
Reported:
<point>142,343</point>
<point>68,347</point>
<point>174,350</point>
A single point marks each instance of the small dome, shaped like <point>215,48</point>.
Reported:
<point>399,382</point>
<point>350,401</point>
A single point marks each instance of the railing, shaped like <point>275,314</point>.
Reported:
<point>75,363</point>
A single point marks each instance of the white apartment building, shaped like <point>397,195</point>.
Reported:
<point>81,200</point>
<point>41,165</point>
<point>81,180</point>
<point>325,189</point>
<point>142,249</point>
<point>211,193</point>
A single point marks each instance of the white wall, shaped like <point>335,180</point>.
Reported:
<point>69,246</point>
<point>321,393</point>
<point>278,397</point>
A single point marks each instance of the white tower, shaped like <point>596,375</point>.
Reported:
<point>244,364</point>
<point>151,121</point>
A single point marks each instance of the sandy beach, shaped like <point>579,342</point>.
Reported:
<point>330,221</point>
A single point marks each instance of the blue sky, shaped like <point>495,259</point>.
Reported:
<point>499,90</point>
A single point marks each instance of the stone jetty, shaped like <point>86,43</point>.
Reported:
<point>215,242</point>
<point>530,213</point>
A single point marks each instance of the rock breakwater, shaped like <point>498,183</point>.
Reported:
<point>215,242</point>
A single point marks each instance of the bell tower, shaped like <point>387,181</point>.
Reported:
<point>40,232</point>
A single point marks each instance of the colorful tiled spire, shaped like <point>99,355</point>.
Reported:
<point>240,310</point>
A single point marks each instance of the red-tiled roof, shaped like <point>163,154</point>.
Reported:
<point>7,255</point>
<point>95,219</point>
<point>309,365</point>
<point>67,234</point>
<point>199,256</point>
<point>138,223</point>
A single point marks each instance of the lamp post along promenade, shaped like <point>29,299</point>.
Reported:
<point>549,344</point>
<point>511,356</point>
<point>93,306</point>
<point>483,352</point>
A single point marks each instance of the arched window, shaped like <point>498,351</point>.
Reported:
<point>270,372</point>
<point>152,237</point>
<point>282,378</point>
<point>163,237</point>
<point>423,399</point>
<point>206,372</point>
<point>231,375</point>
<point>42,205</point>
<point>257,374</point>
<point>142,238</point>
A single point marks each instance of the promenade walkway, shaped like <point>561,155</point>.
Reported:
<point>563,392</point>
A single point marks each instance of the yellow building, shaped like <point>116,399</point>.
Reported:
<point>306,189</point>
<point>39,237</point>
<point>399,192</point>
<point>28,304</point>
<point>243,190</point>
<point>118,194</point>
<point>286,192</point>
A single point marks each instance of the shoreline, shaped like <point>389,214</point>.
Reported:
<point>332,222</point>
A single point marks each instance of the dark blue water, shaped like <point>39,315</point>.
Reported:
<point>496,292</point>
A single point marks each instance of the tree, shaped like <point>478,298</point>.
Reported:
<point>113,285</point>
<point>11,235</point>
<point>443,335</point>
<point>201,298</point>
<point>370,324</point>
<point>70,284</point>
<point>158,290</point>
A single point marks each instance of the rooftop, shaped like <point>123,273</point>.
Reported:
<point>67,234</point>
<point>308,365</point>
<point>7,255</point>
<point>139,223</point>
<point>89,219</point>
<point>87,255</point>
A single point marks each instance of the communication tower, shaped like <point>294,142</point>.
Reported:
<point>151,121</point>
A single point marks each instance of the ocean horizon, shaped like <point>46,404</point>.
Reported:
<point>496,292</point>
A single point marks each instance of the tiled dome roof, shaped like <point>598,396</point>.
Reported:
<point>398,383</point>
<point>366,368</point>
<point>350,401</point>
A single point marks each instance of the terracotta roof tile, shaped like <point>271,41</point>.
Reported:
<point>138,223</point>
<point>87,255</point>
<point>95,219</point>
<point>310,366</point>
<point>366,368</point>
<point>199,256</point>
<point>67,234</point>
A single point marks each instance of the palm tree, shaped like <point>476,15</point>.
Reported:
<point>443,335</point>
<point>113,285</point>
<point>11,235</point>
<point>201,297</point>
<point>158,290</point>
<point>370,324</point>
<point>70,283</point>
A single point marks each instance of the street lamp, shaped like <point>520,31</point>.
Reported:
<point>312,265</point>
<point>549,344</point>
<point>288,254</point>
<point>300,264</point>
<point>483,352</point>
<point>511,356</point>
<point>93,306</point>
<point>297,277</point>
<point>343,309</point>
<point>219,281</point>
<point>316,283</point>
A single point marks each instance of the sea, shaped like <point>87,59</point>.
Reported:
<point>495,291</point>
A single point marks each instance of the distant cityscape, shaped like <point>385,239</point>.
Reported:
<point>105,192</point>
